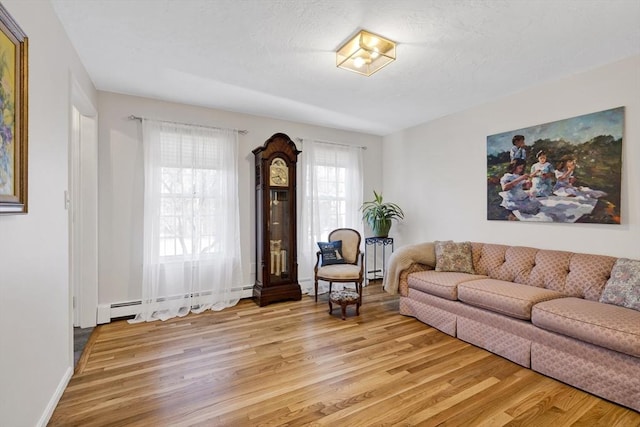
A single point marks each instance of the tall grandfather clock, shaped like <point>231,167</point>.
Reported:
<point>276,249</point>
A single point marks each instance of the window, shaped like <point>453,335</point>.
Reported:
<point>191,259</point>
<point>191,204</point>
<point>331,196</point>
<point>329,175</point>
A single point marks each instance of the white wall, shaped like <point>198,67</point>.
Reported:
<point>121,179</point>
<point>437,170</point>
<point>35,318</point>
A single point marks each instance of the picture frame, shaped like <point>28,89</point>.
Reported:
<point>566,171</point>
<point>13,116</point>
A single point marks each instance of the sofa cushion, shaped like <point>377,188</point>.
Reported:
<point>573,274</point>
<point>511,299</point>
<point>623,287</point>
<point>550,270</point>
<point>588,275</point>
<point>606,325</point>
<point>454,256</point>
<point>508,263</point>
<point>442,284</point>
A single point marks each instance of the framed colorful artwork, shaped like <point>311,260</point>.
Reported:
<point>13,117</point>
<point>565,171</point>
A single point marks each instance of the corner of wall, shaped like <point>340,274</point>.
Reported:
<point>55,398</point>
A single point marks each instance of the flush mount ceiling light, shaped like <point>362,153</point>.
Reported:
<point>366,53</point>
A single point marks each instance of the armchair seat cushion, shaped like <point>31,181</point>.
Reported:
<point>338,272</point>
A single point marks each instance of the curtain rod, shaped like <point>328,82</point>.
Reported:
<point>240,131</point>
<point>332,143</point>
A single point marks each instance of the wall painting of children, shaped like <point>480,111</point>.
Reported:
<point>564,171</point>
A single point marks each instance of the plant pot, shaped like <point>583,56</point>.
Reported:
<point>381,228</point>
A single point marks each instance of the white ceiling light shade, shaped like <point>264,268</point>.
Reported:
<point>366,53</point>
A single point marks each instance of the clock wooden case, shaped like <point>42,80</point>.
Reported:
<point>276,249</point>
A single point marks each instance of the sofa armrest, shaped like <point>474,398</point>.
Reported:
<point>403,258</point>
<point>403,285</point>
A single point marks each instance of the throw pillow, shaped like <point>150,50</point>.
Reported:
<point>331,252</point>
<point>454,256</point>
<point>623,287</point>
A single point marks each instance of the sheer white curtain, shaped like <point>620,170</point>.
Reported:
<point>330,194</point>
<point>191,259</point>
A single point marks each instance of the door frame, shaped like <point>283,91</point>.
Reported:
<point>82,204</point>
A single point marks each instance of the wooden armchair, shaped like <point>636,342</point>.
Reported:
<point>350,269</point>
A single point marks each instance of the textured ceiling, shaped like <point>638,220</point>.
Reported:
<point>276,58</point>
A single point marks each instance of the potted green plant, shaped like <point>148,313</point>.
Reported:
<point>379,214</point>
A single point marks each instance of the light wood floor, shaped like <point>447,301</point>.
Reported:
<point>291,363</point>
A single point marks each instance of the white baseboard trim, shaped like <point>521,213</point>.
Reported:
<point>53,402</point>
<point>108,312</point>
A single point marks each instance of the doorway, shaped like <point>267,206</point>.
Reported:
<point>82,205</point>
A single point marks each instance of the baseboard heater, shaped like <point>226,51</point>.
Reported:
<point>125,309</point>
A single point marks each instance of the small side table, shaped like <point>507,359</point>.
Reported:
<point>383,242</point>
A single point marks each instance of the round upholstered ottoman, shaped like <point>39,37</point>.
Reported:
<point>344,298</point>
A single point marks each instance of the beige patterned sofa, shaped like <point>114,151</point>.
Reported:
<point>538,308</point>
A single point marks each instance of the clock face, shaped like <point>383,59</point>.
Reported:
<point>278,173</point>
